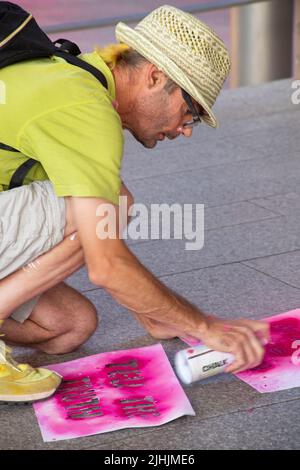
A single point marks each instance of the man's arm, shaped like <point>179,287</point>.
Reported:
<point>113,266</point>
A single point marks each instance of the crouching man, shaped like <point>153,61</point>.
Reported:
<point>163,79</point>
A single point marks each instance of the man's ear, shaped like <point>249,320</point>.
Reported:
<point>155,77</point>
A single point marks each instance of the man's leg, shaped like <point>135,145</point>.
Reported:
<point>61,321</point>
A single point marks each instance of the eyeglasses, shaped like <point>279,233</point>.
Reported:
<point>196,116</point>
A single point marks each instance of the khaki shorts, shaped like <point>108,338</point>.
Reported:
<point>32,221</point>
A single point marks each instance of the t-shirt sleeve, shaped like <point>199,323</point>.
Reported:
<point>80,147</point>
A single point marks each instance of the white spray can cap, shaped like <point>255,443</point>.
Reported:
<point>199,362</point>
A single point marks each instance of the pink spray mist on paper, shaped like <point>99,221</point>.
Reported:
<point>280,368</point>
<point>110,391</point>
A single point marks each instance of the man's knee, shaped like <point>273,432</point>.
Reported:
<point>80,327</point>
<point>86,323</point>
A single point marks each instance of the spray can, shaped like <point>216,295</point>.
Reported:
<point>199,362</point>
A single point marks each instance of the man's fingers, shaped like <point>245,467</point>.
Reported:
<point>244,339</point>
<point>260,328</point>
<point>239,363</point>
<point>238,351</point>
<point>236,370</point>
<point>257,350</point>
<point>263,332</point>
<point>247,349</point>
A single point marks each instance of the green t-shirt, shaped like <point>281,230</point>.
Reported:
<point>62,116</point>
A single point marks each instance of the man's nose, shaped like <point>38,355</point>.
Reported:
<point>185,131</point>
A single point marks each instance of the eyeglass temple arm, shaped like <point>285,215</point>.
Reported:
<point>190,103</point>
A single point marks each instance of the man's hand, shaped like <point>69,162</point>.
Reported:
<point>245,339</point>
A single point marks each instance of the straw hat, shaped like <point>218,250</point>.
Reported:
<point>185,49</point>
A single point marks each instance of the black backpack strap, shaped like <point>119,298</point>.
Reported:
<point>17,178</point>
<point>82,64</point>
<point>67,46</point>
<point>7,147</point>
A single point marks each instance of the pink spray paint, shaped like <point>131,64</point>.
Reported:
<point>280,368</point>
<point>110,391</point>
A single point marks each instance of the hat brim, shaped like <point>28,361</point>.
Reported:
<point>142,45</point>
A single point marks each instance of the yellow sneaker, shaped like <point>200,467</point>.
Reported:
<point>23,383</point>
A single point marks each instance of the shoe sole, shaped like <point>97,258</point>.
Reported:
<point>17,403</point>
<point>22,399</point>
